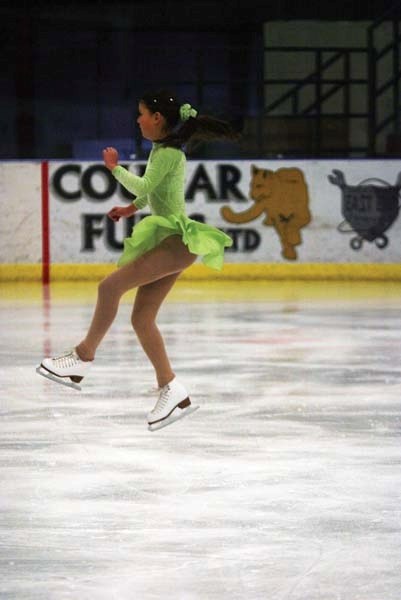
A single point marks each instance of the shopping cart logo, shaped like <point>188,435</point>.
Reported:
<point>369,208</point>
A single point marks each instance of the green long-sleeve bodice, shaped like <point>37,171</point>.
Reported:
<point>162,185</point>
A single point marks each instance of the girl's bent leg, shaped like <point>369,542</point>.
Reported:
<point>168,258</point>
<point>108,299</point>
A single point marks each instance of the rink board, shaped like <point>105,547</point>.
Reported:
<point>332,219</point>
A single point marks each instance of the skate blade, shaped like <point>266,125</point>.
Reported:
<point>41,371</point>
<point>172,419</point>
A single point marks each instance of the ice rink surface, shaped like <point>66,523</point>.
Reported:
<point>285,485</point>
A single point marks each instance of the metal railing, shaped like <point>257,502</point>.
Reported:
<point>324,87</point>
<point>392,85</point>
<point>289,108</point>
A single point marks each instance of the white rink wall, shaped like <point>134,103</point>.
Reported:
<point>20,212</point>
<point>81,194</point>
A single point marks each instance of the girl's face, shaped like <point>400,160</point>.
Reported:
<point>152,125</point>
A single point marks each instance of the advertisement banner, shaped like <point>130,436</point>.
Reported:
<point>276,211</point>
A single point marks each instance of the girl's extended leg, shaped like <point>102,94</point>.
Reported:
<point>147,303</point>
<point>170,257</point>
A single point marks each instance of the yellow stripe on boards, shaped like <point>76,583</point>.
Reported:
<point>230,271</point>
<point>307,271</point>
<point>20,272</point>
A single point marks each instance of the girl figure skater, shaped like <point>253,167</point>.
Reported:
<point>161,247</point>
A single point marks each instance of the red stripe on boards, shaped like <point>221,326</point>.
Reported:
<point>45,224</point>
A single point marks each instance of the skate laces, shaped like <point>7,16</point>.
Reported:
<point>66,360</point>
<point>163,399</point>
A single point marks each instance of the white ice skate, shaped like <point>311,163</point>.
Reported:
<point>64,367</point>
<point>173,404</point>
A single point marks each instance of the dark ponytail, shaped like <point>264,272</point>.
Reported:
<point>190,132</point>
<point>202,128</point>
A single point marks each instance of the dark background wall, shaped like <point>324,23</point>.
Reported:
<point>71,73</point>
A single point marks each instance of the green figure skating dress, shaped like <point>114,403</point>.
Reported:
<point>162,187</point>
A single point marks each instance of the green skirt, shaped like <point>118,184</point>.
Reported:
<point>204,240</point>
